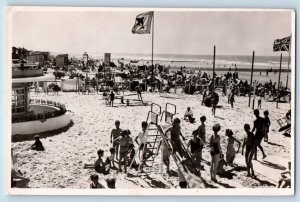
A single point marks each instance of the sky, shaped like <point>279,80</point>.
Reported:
<point>175,32</point>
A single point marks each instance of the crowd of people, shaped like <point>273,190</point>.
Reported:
<point>123,149</point>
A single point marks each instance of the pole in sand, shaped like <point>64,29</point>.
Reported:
<point>254,89</point>
<point>252,66</point>
<point>279,80</point>
<point>214,63</point>
<point>152,73</point>
<point>287,74</point>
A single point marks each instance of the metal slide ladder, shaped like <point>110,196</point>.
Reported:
<point>156,135</point>
<point>153,138</point>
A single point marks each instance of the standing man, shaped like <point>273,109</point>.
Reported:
<point>259,128</point>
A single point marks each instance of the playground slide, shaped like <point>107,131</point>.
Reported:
<point>185,164</point>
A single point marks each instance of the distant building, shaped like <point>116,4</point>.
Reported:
<point>62,60</point>
<point>107,59</point>
<point>40,57</point>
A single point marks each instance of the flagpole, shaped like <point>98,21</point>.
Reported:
<point>279,80</point>
<point>152,73</point>
<point>287,75</point>
<point>213,78</point>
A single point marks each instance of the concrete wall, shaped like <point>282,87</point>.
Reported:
<point>27,73</point>
<point>32,127</point>
<point>69,85</point>
<point>38,109</point>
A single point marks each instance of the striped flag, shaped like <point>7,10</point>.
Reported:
<point>282,44</point>
<point>142,23</point>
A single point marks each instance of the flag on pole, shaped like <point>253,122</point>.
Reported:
<point>282,44</point>
<point>142,23</point>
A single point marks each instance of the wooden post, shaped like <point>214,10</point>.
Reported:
<point>253,103</point>
<point>152,72</point>
<point>97,82</point>
<point>279,80</point>
<point>287,75</point>
<point>252,66</point>
<point>214,64</point>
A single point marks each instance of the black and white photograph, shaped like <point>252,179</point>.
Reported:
<point>150,101</point>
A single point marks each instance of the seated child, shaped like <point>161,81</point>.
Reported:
<point>189,115</point>
<point>37,145</point>
<point>110,159</point>
<point>95,182</point>
<point>100,166</point>
<point>285,180</point>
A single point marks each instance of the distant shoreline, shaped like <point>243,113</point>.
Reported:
<point>240,70</point>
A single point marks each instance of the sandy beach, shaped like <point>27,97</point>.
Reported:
<point>61,165</point>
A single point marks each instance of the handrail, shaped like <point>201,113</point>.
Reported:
<point>172,105</point>
<point>154,114</point>
<point>152,104</point>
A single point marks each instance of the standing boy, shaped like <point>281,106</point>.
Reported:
<point>115,134</point>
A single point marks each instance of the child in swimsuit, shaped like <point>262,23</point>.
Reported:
<point>125,143</point>
<point>230,153</point>
<point>112,98</point>
<point>249,142</point>
<point>175,137</point>
<point>115,134</point>
<point>37,145</point>
<point>145,153</point>
<point>100,165</point>
<point>196,145</point>
<point>268,124</point>
<point>95,182</point>
<point>216,152</point>
<point>201,129</point>
<point>110,159</point>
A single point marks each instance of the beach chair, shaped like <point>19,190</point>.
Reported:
<point>282,122</point>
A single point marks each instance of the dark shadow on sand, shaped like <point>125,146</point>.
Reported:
<point>226,174</point>
<point>225,185</point>
<point>264,182</point>
<point>238,169</point>
<point>207,185</point>
<point>274,144</point>
<point>132,105</point>
<point>173,173</point>
<point>218,117</point>
<point>272,165</point>
<point>21,138</point>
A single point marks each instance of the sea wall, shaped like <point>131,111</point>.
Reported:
<point>39,126</point>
